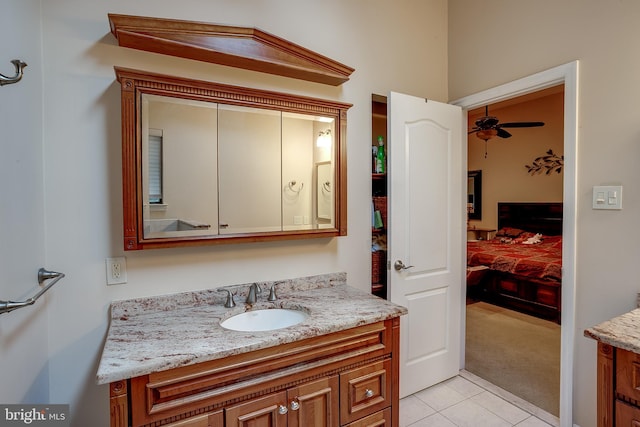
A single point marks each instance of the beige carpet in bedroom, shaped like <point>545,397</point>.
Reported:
<point>516,352</point>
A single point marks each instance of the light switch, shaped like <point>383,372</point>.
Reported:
<point>607,197</point>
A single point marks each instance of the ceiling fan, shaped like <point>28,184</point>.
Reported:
<point>487,127</point>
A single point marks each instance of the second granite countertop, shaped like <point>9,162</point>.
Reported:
<point>622,331</point>
<point>155,334</point>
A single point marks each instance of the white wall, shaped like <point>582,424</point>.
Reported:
<point>23,333</point>
<point>497,41</point>
<point>405,52</point>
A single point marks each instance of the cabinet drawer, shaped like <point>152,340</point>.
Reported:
<point>628,374</point>
<point>204,420</point>
<point>627,415</point>
<point>379,419</point>
<point>365,390</point>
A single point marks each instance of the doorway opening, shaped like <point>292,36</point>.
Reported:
<point>566,75</point>
<point>514,254</point>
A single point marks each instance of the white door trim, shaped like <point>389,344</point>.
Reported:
<point>567,74</point>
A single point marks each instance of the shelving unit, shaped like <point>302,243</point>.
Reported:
<point>379,200</point>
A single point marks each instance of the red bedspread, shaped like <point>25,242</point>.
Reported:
<point>541,260</point>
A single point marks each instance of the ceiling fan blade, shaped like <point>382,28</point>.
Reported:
<point>521,124</point>
<point>503,133</point>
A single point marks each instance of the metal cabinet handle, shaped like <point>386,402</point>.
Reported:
<point>295,405</point>
<point>399,266</point>
<point>282,409</point>
<point>368,393</point>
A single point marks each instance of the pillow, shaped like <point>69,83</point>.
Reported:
<point>509,232</point>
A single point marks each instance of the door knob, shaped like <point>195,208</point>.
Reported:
<point>399,266</point>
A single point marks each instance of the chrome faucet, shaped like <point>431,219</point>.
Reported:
<point>254,291</point>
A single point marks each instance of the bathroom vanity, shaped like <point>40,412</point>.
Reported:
<point>168,361</point>
<point>618,370</point>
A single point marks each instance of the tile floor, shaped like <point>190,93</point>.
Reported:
<point>467,400</point>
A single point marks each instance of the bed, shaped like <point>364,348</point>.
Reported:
<point>521,267</point>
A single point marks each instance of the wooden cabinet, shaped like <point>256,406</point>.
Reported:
<point>365,390</point>
<point>618,387</point>
<point>268,411</point>
<point>315,403</point>
<point>627,415</point>
<point>204,420</point>
<point>347,378</point>
<point>379,419</point>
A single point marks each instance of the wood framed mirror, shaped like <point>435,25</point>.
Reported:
<point>207,163</point>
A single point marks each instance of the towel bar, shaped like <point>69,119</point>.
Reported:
<point>19,65</point>
<point>7,306</point>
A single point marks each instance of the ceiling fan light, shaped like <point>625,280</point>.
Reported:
<point>486,134</point>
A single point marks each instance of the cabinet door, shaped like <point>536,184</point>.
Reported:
<point>379,419</point>
<point>627,415</point>
<point>267,411</point>
<point>315,404</point>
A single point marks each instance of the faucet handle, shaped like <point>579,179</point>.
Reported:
<point>272,293</point>
<point>230,302</point>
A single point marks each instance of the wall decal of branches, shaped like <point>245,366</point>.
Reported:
<point>548,163</point>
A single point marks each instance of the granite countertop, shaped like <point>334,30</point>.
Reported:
<point>622,331</point>
<point>158,333</point>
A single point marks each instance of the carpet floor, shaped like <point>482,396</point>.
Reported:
<point>516,352</point>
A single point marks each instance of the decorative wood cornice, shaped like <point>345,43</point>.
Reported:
<point>241,47</point>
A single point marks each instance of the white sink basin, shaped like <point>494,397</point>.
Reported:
<point>264,320</point>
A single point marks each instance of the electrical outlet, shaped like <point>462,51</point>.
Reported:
<point>116,271</point>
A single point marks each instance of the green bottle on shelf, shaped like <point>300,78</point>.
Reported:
<point>380,157</point>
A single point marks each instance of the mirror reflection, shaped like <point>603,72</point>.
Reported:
<point>474,195</point>
<point>179,153</point>
<point>213,169</point>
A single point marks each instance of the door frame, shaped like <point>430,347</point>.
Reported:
<point>567,74</point>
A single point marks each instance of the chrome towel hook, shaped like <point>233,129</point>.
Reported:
<point>4,80</point>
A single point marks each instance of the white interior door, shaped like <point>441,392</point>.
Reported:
<point>426,212</point>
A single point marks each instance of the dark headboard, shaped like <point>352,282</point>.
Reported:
<point>543,217</point>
